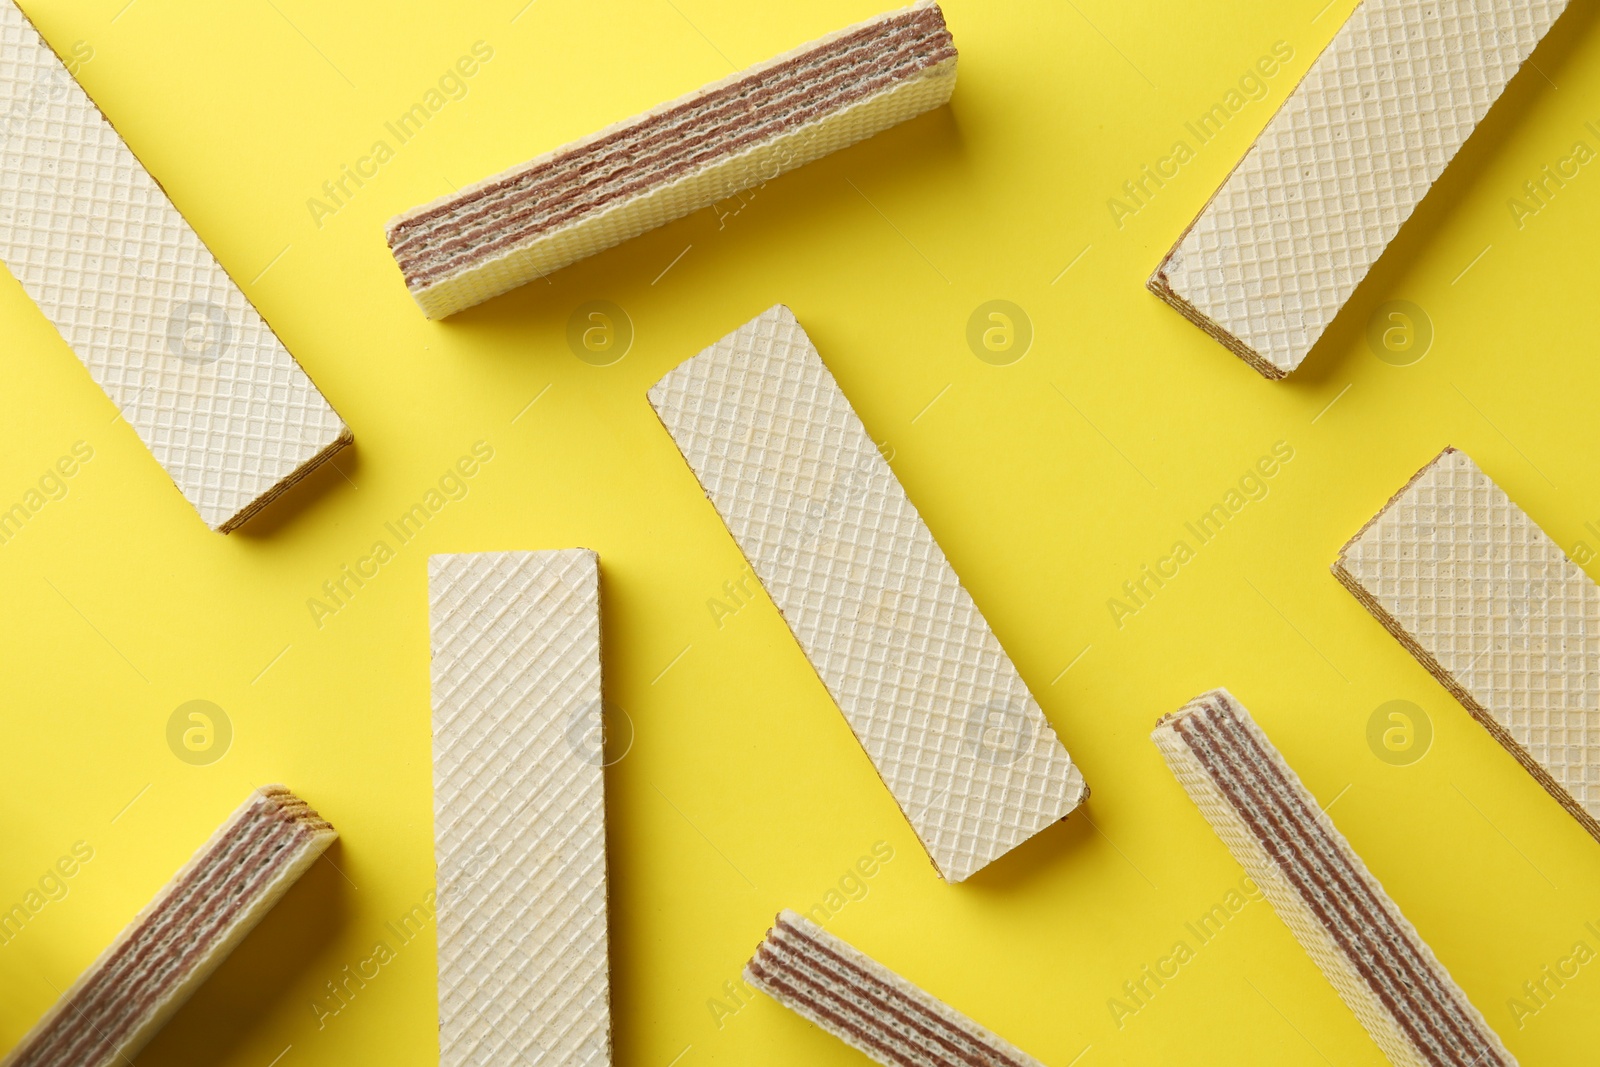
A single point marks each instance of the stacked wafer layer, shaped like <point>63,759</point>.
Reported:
<point>142,302</point>
<point>939,707</point>
<point>1496,611</point>
<point>674,159</point>
<point>868,1006</point>
<point>1295,228</point>
<point>519,809</point>
<point>175,943</point>
<point>1320,888</point>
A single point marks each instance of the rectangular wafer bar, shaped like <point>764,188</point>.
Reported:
<point>867,1006</point>
<point>181,937</point>
<point>1495,610</point>
<point>519,809</point>
<point>157,322</point>
<point>827,528</point>
<point>1322,890</point>
<point>674,159</point>
<point>1297,225</point>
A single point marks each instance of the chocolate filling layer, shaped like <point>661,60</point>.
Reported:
<point>1360,921</point>
<point>910,1013</point>
<point>867,1009</point>
<point>655,150</point>
<point>830,1013</point>
<point>184,927</point>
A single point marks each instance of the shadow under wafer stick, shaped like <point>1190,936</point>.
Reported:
<point>867,1006</point>
<point>181,937</point>
<point>1338,170</point>
<point>674,159</point>
<point>1322,890</point>
<point>1493,608</point>
<point>519,809</point>
<point>943,714</point>
<point>141,301</point>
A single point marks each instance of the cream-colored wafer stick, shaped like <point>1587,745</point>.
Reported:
<point>931,695</point>
<point>674,159</point>
<point>1294,229</point>
<point>1322,891</point>
<point>159,325</point>
<point>1495,610</point>
<point>867,1006</point>
<point>181,937</point>
<point>519,809</point>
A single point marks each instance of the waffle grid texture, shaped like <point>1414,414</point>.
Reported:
<point>675,159</point>
<point>1374,958</point>
<point>1495,610</point>
<point>172,946</point>
<point>519,809</point>
<point>866,1005</point>
<point>1298,224</point>
<point>921,679</point>
<point>159,325</point>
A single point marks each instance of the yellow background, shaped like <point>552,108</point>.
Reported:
<point>1048,482</point>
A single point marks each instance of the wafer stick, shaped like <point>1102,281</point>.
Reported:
<point>1322,891</point>
<point>926,687</point>
<point>674,159</point>
<point>519,809</point>
<point>181,937</point>
<point>159,325</point>
<point>1493,608</point>
<point>867,1006</point>
<point>1298,224</point>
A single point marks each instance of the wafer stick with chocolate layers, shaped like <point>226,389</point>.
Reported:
<point>1322,890</point>
<point>921,678</point>
<point>867,1006</point>
<point>1282,245</point>
<point>181,937</point>
<point>1492,607</point>
<point>141,301</point>
<point>674,159</point>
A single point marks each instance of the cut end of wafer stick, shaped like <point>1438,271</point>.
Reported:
<point>942,712</point>
<point>675,159</point>
<point>1321,889</point>
<point>1294,229</point>
<point>156,321</point>
<point>1161,286</point>
<point>868,1006</point>
<point>1493,608</point>
<point>181,937</point>
<point>310,466</point>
